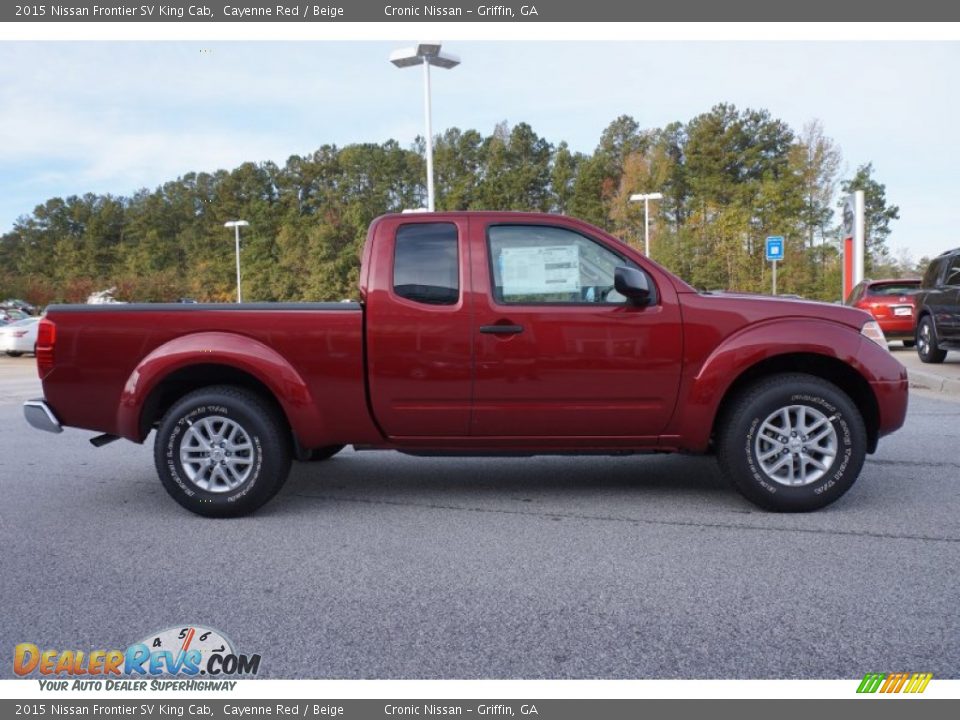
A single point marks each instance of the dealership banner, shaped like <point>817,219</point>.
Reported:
<point>219,709</point>
<point>324,11</point>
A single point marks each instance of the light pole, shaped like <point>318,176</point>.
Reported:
<point>426,54</point>
<point>236,225</point>
<point>646,197</point>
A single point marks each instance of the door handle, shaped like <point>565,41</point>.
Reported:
<point>501,329</point>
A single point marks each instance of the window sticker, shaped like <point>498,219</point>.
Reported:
<point>540,270</point>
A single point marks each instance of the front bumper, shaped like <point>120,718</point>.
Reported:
<point>40,416</point>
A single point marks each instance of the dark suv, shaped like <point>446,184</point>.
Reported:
<point>938,308</point>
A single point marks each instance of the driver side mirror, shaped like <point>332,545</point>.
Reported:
<point>633,284</point>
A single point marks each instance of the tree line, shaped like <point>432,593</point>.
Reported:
<point>729,178</point>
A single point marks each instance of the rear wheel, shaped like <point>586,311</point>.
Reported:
<point>792,443</point>
<point>909,343</point>
<point>14,353</point>
<point>222,452</point>
<point>927,347</point>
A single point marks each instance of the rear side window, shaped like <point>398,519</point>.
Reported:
<point>426,263</point>
<point>854,297</point>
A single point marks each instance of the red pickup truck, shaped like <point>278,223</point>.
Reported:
<point>480,333</point>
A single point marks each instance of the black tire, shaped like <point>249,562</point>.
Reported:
<point>323,453</point>
<point>14,353</point>
<point>927,347</point>
<point>737,443</point>
<point>261,429</point>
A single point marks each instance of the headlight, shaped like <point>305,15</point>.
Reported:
<point>872,330</point>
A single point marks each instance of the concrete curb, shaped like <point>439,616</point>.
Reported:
<point>931,381</point>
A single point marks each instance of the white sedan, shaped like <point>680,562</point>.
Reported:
<point>19,337</point>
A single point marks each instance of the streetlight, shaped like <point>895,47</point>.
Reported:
<point>646,197</point>
<point>236,225</point>
<point>426,54</point>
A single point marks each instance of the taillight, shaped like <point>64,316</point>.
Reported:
<point>46,339</point>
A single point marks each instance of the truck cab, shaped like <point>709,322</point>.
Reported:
<point>508,327</point>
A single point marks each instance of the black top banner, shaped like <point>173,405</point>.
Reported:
<point>448,10</point>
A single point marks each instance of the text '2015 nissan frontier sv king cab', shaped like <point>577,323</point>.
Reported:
<point>480,333</point>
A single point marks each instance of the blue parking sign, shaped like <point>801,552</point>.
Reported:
<point>775,247</point>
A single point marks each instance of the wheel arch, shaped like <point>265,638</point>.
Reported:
<point>185,380</point>
<point>831,369</point>
<point>200,360</point>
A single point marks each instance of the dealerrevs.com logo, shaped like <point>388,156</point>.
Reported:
<point>189,652</point>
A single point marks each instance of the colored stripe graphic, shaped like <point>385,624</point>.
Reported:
<point>891,684</point>
<point>871,682</point>
<point>918,683</point>
<point>894,682</point>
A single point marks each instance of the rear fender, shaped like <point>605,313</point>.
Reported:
<point>220,348</point>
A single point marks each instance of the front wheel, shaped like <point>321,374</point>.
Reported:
<point>792,443</point>
<point>222,452</point>
<point>927,348</point>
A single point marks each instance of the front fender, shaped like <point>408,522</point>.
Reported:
<point>704,387</point>
<point>219,348</point>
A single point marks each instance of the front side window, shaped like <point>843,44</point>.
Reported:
<point>543,264</point>
<point>953,272</point>
<point>426,263</point>
<point>932,275</point>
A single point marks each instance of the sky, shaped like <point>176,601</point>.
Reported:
<point>111,117</point>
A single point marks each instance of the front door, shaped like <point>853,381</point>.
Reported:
<point>559,353</point>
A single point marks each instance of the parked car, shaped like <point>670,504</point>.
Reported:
<point>19,304</point>
<point>480,333</point>
<point>103,297</point>
<point>891,302</point>
<point>19,337</point>
<point>11,315</point>
<point>938,308</point>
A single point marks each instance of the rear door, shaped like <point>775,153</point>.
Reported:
<point>949,326</point>
<point>419,327</point>
<point>559,353</point>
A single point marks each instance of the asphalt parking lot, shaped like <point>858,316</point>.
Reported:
<point>378,565</point>
<point>943,377</point>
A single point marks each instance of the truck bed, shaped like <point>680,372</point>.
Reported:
<point>102,352</point>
